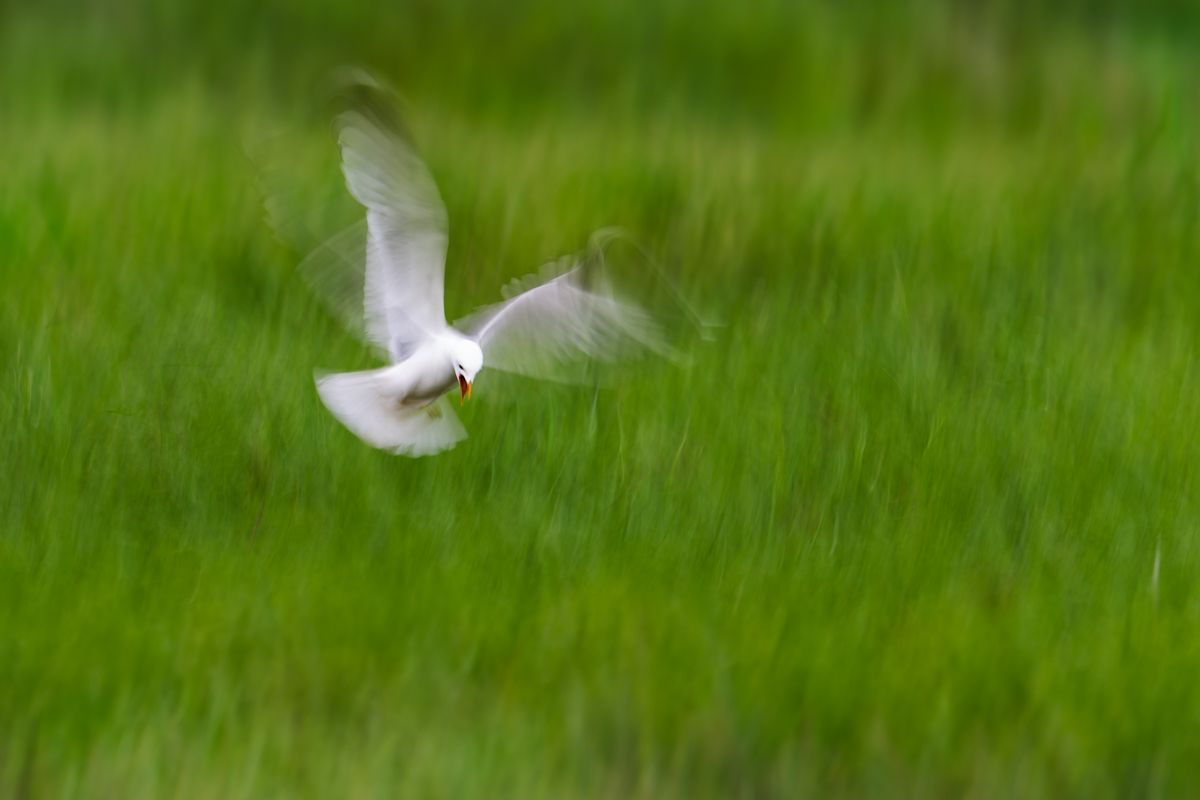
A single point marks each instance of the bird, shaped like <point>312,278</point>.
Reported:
<point>563,315</point>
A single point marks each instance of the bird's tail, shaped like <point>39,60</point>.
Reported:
<point>360,402</point>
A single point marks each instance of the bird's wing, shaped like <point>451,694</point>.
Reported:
<point>552,323</point>
<point>361,402</point>
<point>406,230</point>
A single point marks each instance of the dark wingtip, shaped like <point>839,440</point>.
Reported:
<point>354,88</point>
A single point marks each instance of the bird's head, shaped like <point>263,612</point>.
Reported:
<point>468,360</point>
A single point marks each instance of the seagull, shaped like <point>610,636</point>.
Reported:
<point>564,315</point>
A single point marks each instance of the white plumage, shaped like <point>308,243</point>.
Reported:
<point>544,324</point>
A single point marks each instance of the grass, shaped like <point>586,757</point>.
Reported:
<point>920,521</point>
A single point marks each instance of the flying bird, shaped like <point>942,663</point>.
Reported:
<point>565,315</point>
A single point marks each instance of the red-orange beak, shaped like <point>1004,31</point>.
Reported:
<point>464,388</point>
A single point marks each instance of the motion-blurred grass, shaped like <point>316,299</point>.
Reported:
<point>922,519</point>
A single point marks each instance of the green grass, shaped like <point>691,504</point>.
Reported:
<point>922,520</point>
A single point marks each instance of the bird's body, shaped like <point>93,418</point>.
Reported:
<point>402,407</point>
<point>544,324</point>
<point>418,380</point>
<point>428,373</point>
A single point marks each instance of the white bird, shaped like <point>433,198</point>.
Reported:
<point>546,322</point>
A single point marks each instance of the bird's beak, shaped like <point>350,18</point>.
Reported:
<point>464,388</point>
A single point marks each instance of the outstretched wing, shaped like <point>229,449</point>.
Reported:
<point>552,323</point>
<point>406,222</point>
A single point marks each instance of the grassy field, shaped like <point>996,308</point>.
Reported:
<point>923,518</point>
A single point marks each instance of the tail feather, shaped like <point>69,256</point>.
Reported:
<point>359,402</point>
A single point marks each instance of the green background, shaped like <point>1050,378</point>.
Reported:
<point>922,519</point>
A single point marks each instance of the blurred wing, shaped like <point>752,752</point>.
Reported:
<point>309,210</point>
<point>335,271</point>
<point>405,237</point>
<point>550,327</point>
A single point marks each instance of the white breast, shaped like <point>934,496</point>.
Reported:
<point>421,378</point>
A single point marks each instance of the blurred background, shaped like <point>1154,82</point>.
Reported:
<point>920,520</point>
